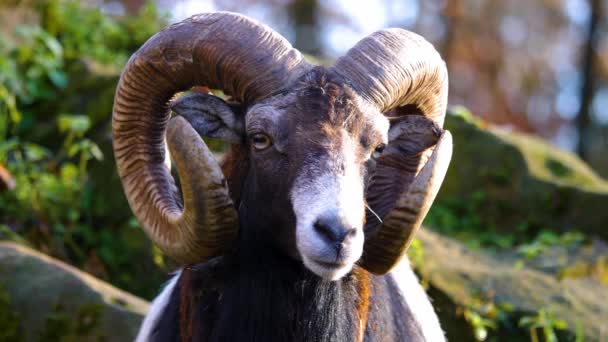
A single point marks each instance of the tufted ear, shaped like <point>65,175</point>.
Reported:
<point>412,134</point>
<point>211,116</point>
<point>410,140</point>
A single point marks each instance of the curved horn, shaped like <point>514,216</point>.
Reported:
<point>386,247</point>
<point>401,73</point>
<point>396,68</point>
<point>223,51</point>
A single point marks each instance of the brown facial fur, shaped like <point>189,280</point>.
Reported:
<point>330,110</point>
<point>364,290</point>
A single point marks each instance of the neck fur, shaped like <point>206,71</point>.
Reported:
<point>260,295</point>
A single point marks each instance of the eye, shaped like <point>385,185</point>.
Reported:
<point>260,141</point>
<point>378,151</point>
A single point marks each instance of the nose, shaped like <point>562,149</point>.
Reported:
<point>334,230</point>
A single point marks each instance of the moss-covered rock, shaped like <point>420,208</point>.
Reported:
<point>510,182</point>
<point>10,329</point>
<point>473,287</point>
<point>46,300</point>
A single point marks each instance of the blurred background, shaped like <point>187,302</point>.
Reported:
<point>515,246</point>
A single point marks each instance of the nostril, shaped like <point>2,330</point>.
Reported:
<point>346,234</point>
<point>325,231</point>
<point>333,232</point>
<point>350,233</point>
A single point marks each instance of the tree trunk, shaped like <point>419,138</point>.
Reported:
<point>583,119</point>
<point>305,19</point>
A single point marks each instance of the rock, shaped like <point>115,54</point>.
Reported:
<point>507,182</point>
<point>460,279</point>
<point>43,299</point>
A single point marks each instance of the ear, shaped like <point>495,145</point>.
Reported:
<point>211,116</point>
<point>410,139</point>
<point>412,134</point>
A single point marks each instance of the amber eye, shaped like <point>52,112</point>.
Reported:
<point>260,141</point>
<point>378,151</point>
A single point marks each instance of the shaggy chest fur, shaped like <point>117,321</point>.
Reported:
<point>276,299</point>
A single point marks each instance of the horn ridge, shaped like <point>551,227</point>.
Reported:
<point>223,50</point>
<point>384,249</point>
<point>397,70</point>
<point>392,68</point>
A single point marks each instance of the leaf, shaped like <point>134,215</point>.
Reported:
<point>7,233</point>
<point>96,152</point>
<point>69,173</point>
<point>58,78</point>
<point>526,321</point>
<point>572,238</point>
<point>52,44</point>
<point>35,152</point>
<point>481,333</point>
<point>548,237</point>
<point>560,324</point>
<point>9,145</point>
<point>549,334</point>
<point>74,123</point>
<point>73,150</point>
<point>507,307</point>
<point>59,229</point>
<point>73,215</point>
<point>580,334</point>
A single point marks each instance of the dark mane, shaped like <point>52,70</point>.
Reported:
<point>235,166</point>
<point>261,297</point>
<point>267,297</point>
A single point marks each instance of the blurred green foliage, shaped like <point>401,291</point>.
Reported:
<point>460,219</point>
<point>546,239</point>
<point>52,149</point>
<point>91,33</point>
<point>546,322</point>
<point>484,315</point>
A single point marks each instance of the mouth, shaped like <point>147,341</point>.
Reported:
<point>330,264</point>
<point>325,259</point>
<point>329,270</point>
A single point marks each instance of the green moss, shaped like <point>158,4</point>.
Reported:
<point>10,329</point>
<point>461,217</point>
<point>557,168</point>
<point>57,326</point>
<point>544,323</point>
<point>415,253</point>
<point>464,114</point>
<point>477,294</point>
<point>62,326</point>
<point>484,316</point>
<point>88,317</point>
<point>505,187</point>
<point>120,302</point>
<point>597,269</point>
<point>551,164</point>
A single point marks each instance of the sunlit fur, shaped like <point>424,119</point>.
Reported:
<point>341,193</point>
<point>156,310</point>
